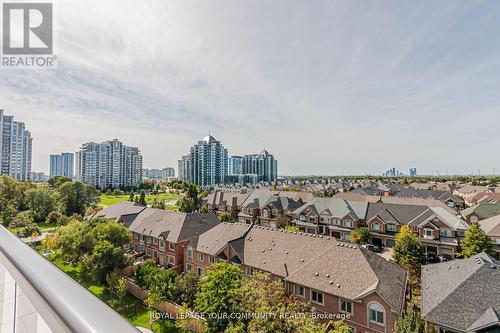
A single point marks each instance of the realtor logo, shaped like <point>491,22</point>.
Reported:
<point>27,28</point>
<point>28,35</point>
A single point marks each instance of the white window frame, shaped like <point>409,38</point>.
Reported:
<point>317,293</point>
<point>376,227</point>
<point>201,257</point>
<point>171,246</point>
<point>391,227</point>
<point>347,223</point>
<point>249,271</point>
<point>295,293</point>
<point>200,269</point>
<point>341,300</point>
<point>189,252</point>
<point>189,267</point>
<point>377,308</point>
<point>211,259</point>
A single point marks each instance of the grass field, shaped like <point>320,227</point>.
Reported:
<point>169,198</point>
<point>43,227</point>
<point>137,314</point>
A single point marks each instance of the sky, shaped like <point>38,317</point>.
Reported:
<point>328,87</point>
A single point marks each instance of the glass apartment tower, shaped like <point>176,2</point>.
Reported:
<point>109,164</point>
<point>16,144</point>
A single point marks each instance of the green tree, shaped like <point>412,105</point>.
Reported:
<point>142,198</point>
<point>40,202</point>
<point>105,258</point>
<point>161,284</point>
<point>11,197</point>
<point>475,242</point>
<point>410,322</point>
<point>121,290</point>
<point>225,217</point>
<point>184,289</point>
<point>217,292</point>
<point>131,196</point>
<point>57,181</point>
<point>183,322</point>
<point>360,235</point>
<point>408,253</point>
<point>108,230</point>
<point>74,197</point>
<point>73,241</point>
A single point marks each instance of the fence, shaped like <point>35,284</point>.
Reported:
<point>197,324</point>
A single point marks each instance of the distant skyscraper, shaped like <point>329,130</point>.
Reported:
<point>16,144</point>
<point>62,165</point>
<point>235,165</point>
<point>183,167</point>
<point>206,164</point>
<point>263,164</point>
<point>158,174</point>
<point>110,164</point>
<point>413,172</point>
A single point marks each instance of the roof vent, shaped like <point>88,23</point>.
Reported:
<point>301,260</point>
<point>330,282</point>
<point>316,274</point>
<point>327,275</point>
<point>270,248</point>
<point>338,285</point>
<point>263,251</point>
<point>264,262</point>
<point>328,237</point>
<point>286,252</point>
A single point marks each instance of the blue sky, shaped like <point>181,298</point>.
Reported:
<point>330,87</point>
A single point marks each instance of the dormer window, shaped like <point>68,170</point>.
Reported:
<point>375,226</point>
<point>445,232</point>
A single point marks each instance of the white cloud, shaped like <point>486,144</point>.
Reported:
<point>329,87</point>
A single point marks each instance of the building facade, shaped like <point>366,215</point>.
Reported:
<point>158,174</point>
<point>62,165</point>
<point>263,164</point>
<point>206,164</point>
<point>235,165</point>
<point>16,144</point>
<point>109,164</point>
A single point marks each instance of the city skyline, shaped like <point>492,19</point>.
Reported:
<point>367,87</point>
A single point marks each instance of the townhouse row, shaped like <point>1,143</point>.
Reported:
<point>335,278</point>
<point>437,228</point>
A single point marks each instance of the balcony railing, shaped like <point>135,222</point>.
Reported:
<point>38,297</point>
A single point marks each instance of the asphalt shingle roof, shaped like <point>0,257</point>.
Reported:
<point>462,294</point>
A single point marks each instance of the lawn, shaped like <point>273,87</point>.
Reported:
<point>43,227</point>
<point>135,311</point>
<point>169,198</point>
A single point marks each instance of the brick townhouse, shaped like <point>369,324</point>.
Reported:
<point>332,277</point>
<point>438,230</point>
<point>221,202</point>
<point>162,235</point>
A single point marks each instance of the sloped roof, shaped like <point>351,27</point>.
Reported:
<point>483,210</point>
<point>120,209</point>
<point>491,226</point>
<point>337,207</point>
<point>213,240</point>
<point>172,226</point>
<point>462,294</point>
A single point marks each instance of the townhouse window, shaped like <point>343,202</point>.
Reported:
<point>347,224</point>
<point>322,219</point>
<point>136,236</point>
<point>148,239</point>
<point>171,260</point>
<point>317,297</point>
<point>249,271</point>
<point>376,313</point>
<point>201,257</point>
<point>200,271</point>
<point>445,232</point>
<point>162,244</point>
<point>155,241</point>
<point>460,232</point>
<point>211,260</point>
<point>429,232</point>
<point>496,241</point>
<point>375,226</point>
<point>345,306</point>
<point>171,246</point>
<point>391,227</point>
<point>302,217</point>
<point>312,219</point>
<point>190,252</point>
<point>299,290</point>
<point>189,267</point>
<point>336,221</point>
